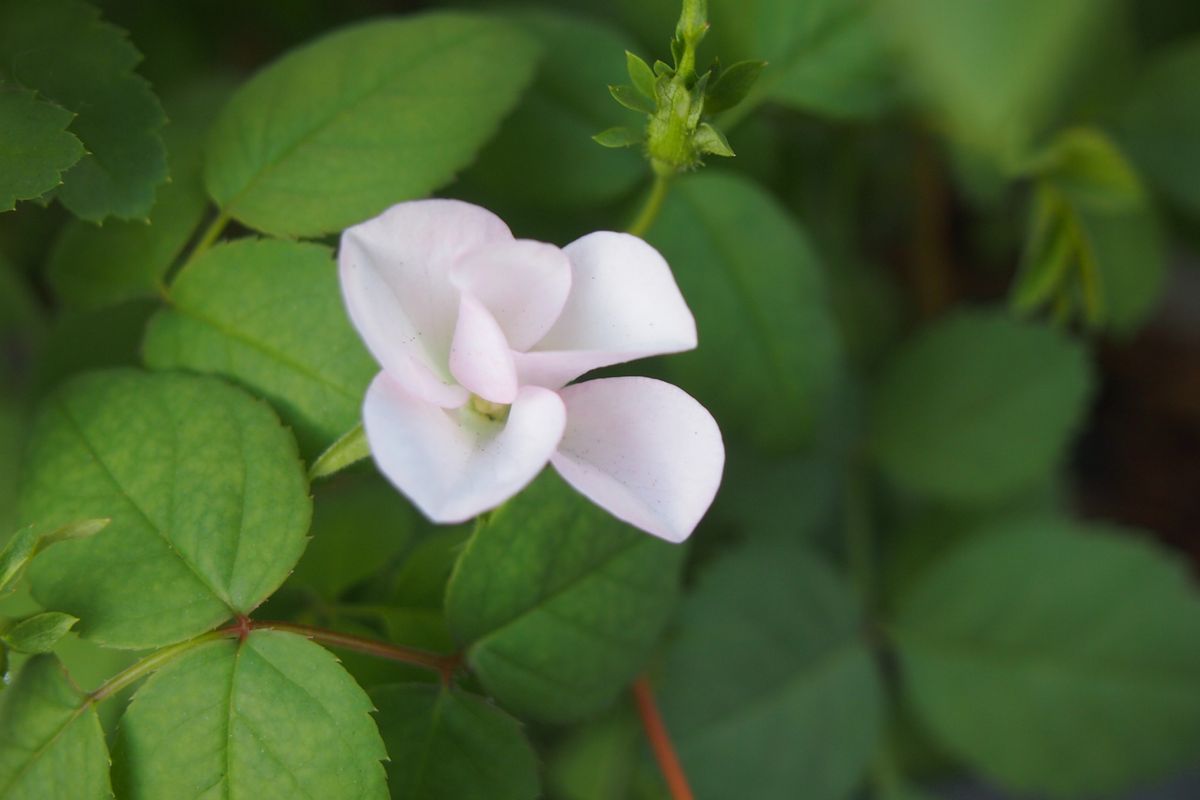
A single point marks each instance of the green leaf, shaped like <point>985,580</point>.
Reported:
<point>447,744</point>
<point>640,73</point>
<point>631,98</point>
<point>269,315</point>
<point>51,744</point>
<point>208,502</point>
<point>962,60</point>
<point>619,137</point>
<point>350,448</point>
<point>1160,124</point>
<point>732,85</point>
<point>94,266</point>
<point>769,659</point>
<point>35,146</point>
<point>39,633</point>
<point>768,345</point>
<point>28,542</point>
<point>542,157</point>
<point>708,139</point>
<point>559,604</point>
<point>336,131</point>
<point>271,716</point>
<point>64,51</point>
<point>978,406</point>
<point>360,523</point>
<point>1056,657</point>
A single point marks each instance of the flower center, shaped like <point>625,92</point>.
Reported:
<point>497,412</point>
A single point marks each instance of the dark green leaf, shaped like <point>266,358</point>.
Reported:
<point>64,51</point>
<point>542,157</point>
<point>35,146</point>
<point>446,744</point>
<point>1160,124</point>
<point>338,130</point>
<point>271,716</point>
<point>1056,657</point>
<point>732,85</point>
<point>769,683</point>
<point>558,603</point>
<point>94,266</point>
<point>978,406</point>
<point>768,345</point>
<point>208,502</point>
<point>39,633</point>
<point>51,744</point>
<point>269,315</point>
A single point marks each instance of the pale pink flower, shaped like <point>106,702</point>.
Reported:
<point>480,335</point>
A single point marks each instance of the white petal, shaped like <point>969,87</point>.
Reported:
<point>524,284</point>
<point>479,356</point>
<point>395,275</point>
<point>644,450</point>
<point>624,304</point>
<point>454,464</point>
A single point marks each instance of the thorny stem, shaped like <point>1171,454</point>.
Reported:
<point>649,212</point>
<point>660,741</point>
<point>444,665</point>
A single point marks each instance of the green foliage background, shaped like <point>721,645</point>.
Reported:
<point>946,223</point>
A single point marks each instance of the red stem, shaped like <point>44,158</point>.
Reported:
<point>444,665</point>
<point>660,741</point>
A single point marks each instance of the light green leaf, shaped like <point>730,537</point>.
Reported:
<point>543,156</point>
<point>1056,657</point>
<point>208,502</point>
<point>94,266</point>
<point>631,98</point>
<point>51,744</point>
<point>360,524</point>
<point>1160,124</point>
<point>961,55</point>
<point>768,345</point>
<point>619,137</point>
<point>808,723</point>
<point>350,448</point>
<point>559,604</point>
<point>978,406</point>
<point>39,633</point>
<point>336,131</point>
<point>35,146</point>
<point>64,51</point>
<point>268,314</point>
<point>28,542</point>
<point>640,74</point>
<point>271,716</point>
<point>447,744</point>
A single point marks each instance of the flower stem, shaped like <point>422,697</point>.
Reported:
<point>660,741</point>
<point>444,665</point>
<point>654,202</point>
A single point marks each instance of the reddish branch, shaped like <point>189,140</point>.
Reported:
<point>444,665</point>
<point>660,741</point>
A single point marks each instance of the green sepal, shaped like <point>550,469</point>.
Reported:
<point>708,139</point>
<point>39,633</point>
<point>640,73</point>
<point>620,136</point>
<point>631,98</point>
<point>350,448</point>
<point>697,101</point>
<point>663,68</point>
<point>732,85</point>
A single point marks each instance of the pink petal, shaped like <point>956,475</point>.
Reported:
<point>455,464</point>
<point>642,449</point>
<point>395,275</point>
<point>624,304</point>
<point>479,355</point>
<point>524,284</point>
